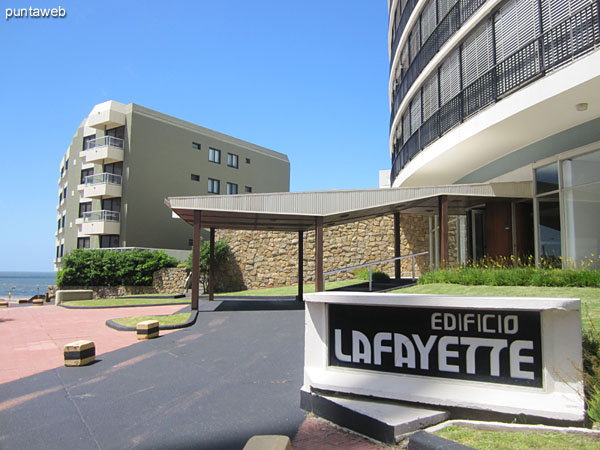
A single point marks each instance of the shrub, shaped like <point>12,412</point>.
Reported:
<point>112,268</point>
<point>378,276</point>
<point>222,253</point>
<point>591,372</point>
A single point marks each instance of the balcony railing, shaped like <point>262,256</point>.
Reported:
<point>103,178</point>
<point>450,23</point>
<point>104,141</point>
<point>101,216</point>
<point>575,36</point>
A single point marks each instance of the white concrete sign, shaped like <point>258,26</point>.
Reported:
<point>506,355</point>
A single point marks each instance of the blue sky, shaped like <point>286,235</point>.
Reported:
<point>307,78</point>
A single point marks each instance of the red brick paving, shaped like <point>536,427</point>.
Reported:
<point>317,434</point>
<point>32,337</point>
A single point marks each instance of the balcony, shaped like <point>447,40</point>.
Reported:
<point>102,185</point>
<point>103,150</point>
<point>101,222</point>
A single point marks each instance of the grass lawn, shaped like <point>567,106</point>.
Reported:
<point>173,319</point>
<point>126,301</point>
<point>494,440</point>
<point>590,297</point>
<point>293,290</point>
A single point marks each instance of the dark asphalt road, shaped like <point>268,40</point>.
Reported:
<point>232,375</point>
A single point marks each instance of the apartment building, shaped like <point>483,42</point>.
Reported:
<point>124,160</point>
<point>502,91</point>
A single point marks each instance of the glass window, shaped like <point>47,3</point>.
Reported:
<point>65,193</point>
<point>248,189</point>
<point>111,204</point>
<point>232,160</point>
<point>83,242</point>
<point>247,160</point>
<point>232,188</point>
<point>109,241</point>
<point>118,132</point>
<point>84,207</point>
<point>67,164</point>
<point>214,186</point>
<point>196,145</point>
<point>549,229</point>
<point>214,155</point>
<point>62,250</point>
<point>195,177</point>
<point>114,168</point>
<point>87,141</point>
<point>86,173</point>
<point>58,227</point>
<point>63,221</point>
<point>58,251</point>
<point>546,179</point>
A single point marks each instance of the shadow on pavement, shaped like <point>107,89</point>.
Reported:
<point>260,305</point>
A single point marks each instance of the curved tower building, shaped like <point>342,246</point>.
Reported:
<point>502,91</point>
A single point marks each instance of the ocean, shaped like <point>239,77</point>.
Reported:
<point>25,284</point>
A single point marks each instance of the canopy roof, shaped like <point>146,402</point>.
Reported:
<point>297,211</point>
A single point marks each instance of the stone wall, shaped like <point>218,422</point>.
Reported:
<point>164,281</point>
<point>270,259</point>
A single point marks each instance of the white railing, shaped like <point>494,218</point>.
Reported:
<point>103,178</point>
<point>101,216</point>
<point>371,264</point>
<point>104,142</point>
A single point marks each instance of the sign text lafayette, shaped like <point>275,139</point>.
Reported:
<point>497,346</point>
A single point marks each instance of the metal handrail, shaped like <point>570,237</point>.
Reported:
<point>104,141</point>
<point>101,216</point>
<point>103,178</point>
<point>371,264</point>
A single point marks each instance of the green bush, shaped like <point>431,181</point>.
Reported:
<point>591,372</point>
<point>378,276</point>
<point>222,253</point>
<point>112,268</point>
<point>518,276</point>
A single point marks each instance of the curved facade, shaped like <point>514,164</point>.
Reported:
<point>502,90</point>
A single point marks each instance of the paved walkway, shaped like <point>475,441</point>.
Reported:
<point>32,338</point>
<point>211,386</point>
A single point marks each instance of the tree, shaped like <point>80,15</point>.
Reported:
<point>222,252</point>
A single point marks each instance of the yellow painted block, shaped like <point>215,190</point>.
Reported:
<point>3,304</point>
<point>268,442</point>
<point>38,302</point>
<point>79,353</point>
<point>148,329</point>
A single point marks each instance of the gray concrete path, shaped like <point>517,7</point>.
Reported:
<point>211,386</point>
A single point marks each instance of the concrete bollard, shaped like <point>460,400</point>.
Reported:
<point>268,442</point>
<point>148,329</point>
<point>79,353</point>
<point>3,303</point>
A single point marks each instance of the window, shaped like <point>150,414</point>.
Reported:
<point>548,204</point>
<point>118,132</point>
<point>84,207</point>
<point>109,241</point>
<point>67,164</point>
<point>58,228</point>
<point>65,193</point>
<point>87,140</point>
<point>232,188</point>
<point>83,242</point>
<point>111,204</point>
<point>191,242</point>
<point>60,197</point>
<point>114,168</point>
<point>450,78</point>
<point>196,146</point>
<point>63,221</point>
<point>214,155</point>
<point>58,251</point>
<point>430,96</point>
<point>248,189</point>
<point>86,173</point>
<point>247,160</point>
<point>195,177</point>
<point>415,112</point>
<point>232,160</point>
<point>62,171</point>
<point>62,250</point>
<point>214,186</point>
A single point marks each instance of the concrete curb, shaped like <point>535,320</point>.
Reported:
<point>188,323</point>
<point>122,306</point>
<point>421,440</point>
<point>513,427</point>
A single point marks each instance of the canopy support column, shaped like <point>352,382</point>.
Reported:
<point>319,281</point>
<point>211,267</point>
<point>397,250</point>
<point>443,214</point>
<point>196,260</point>
<point>300,266</point>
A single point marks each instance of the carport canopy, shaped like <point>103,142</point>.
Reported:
<point>304,211</point>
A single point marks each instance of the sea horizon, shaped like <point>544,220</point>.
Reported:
<point>25,283</point>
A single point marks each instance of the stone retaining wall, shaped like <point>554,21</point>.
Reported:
<point>270,258</point>
<point>164,281</point>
